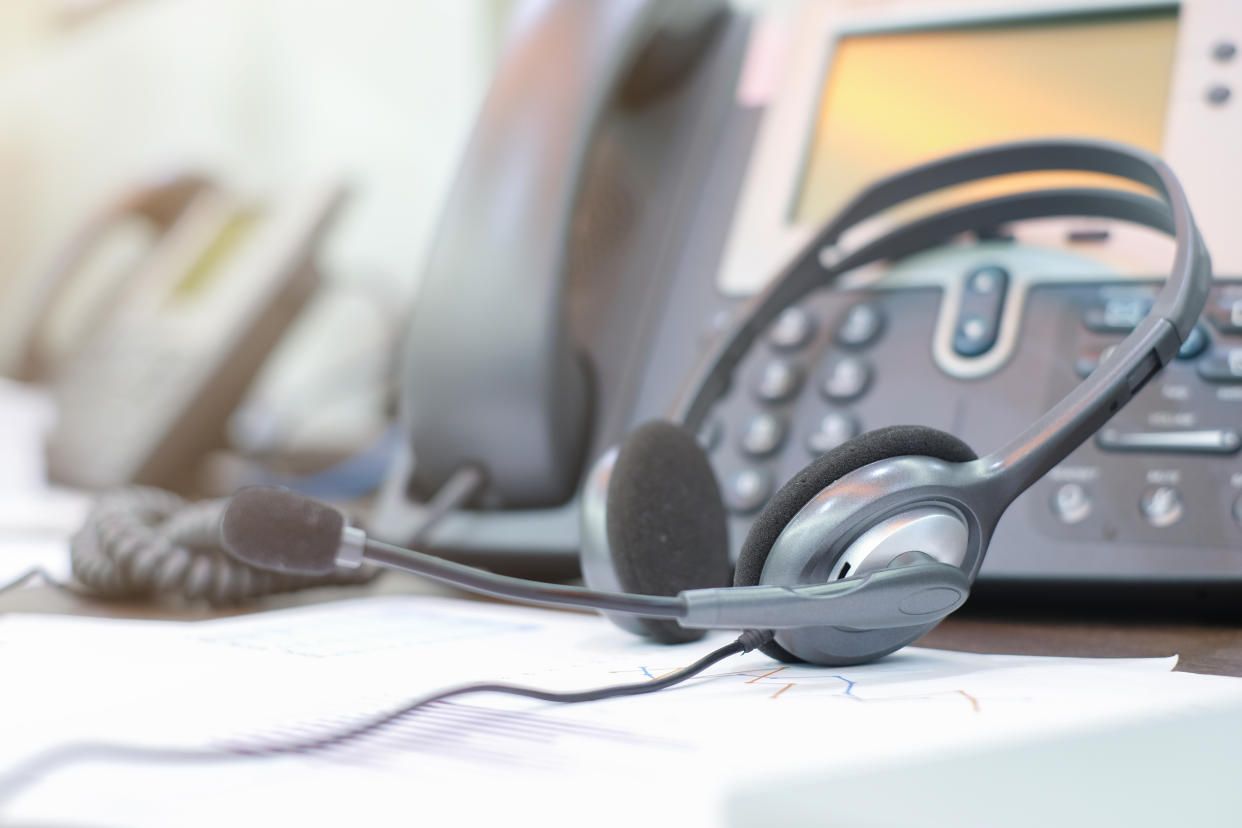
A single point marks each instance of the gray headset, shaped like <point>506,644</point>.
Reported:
<point>871,544</point>
<point>899,519</point>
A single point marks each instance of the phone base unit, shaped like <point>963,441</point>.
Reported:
<point>692,200</point>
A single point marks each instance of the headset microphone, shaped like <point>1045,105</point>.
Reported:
<point>282,531</point>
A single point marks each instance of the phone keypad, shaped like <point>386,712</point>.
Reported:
<point>809,346</point>
<point>1163,472</point>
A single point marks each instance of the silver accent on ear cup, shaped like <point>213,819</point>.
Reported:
<point>937,531</point>
<point>353,541</point>
<point>594,555</point>
<point>869,518</point>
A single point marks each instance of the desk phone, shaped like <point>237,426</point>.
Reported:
<point>153,320</point>
<point>691,153</point>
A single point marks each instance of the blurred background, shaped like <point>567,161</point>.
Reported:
<point>263,100</point>
<point>116,116</point>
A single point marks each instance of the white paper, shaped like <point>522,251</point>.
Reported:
<point>674,755</point>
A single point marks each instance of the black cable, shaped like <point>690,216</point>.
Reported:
<point>30,771</point>
<point>28,575</point>
<point>43,574</point>
<point>744,643</point>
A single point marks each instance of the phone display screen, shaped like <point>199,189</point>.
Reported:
<point>891,99</point>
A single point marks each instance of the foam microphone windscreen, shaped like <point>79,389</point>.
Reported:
<point>282,531</point>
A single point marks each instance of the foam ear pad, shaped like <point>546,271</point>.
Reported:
<point>881,444</point>
<point>665,520</point>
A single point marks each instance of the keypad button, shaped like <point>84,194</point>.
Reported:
<point>979,311</point>
<point>763,434</point>
<point>987,280</point>
<point>1088,235</point>
<point>1224,50</point>
<point>1118,314</point>
<point>974,336</point>
<point>1225,314</point>
<point>847,378</point>
<point>1161,506</point>
<point>861,326</point>
<point>835,428</point>
<point>1218,94</point>
<point>1201,441</point>
<point>747,490</point>
<point>1088,362</point>
<point>1222,366</point>
<point>792,329</point>
<point>779,380</point>
<point>1195,344</point>
<point>1071,503</point>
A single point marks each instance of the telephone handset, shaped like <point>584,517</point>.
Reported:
<point>491,366</point>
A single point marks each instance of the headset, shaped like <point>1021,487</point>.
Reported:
<point>871,544</point>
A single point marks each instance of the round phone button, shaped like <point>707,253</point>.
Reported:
<point>1162,506</point>
<point>763,435</point>
<point>834,429</point>
<point>747,490</point>
<point>846,379</point>
<point>861,326</point>
<point>779,380</point>
<point>792,329</point>
<point>1071,503</point>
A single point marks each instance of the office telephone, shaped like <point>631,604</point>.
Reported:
<point>638,169</point>
<point>153,319</point>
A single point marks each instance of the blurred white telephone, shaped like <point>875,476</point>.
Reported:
<point>155,317</point>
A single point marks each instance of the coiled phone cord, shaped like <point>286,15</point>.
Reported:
<point>142,542</point>
<point>148,543</point>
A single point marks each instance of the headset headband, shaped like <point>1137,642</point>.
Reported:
<point>1141,354</point>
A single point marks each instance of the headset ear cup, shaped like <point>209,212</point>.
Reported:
<point>665,521</point>
<point>881,444</point>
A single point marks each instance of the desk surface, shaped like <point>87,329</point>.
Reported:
<point>1204,644</point>
<point>1202,626</point>
<point>1203,648</point>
